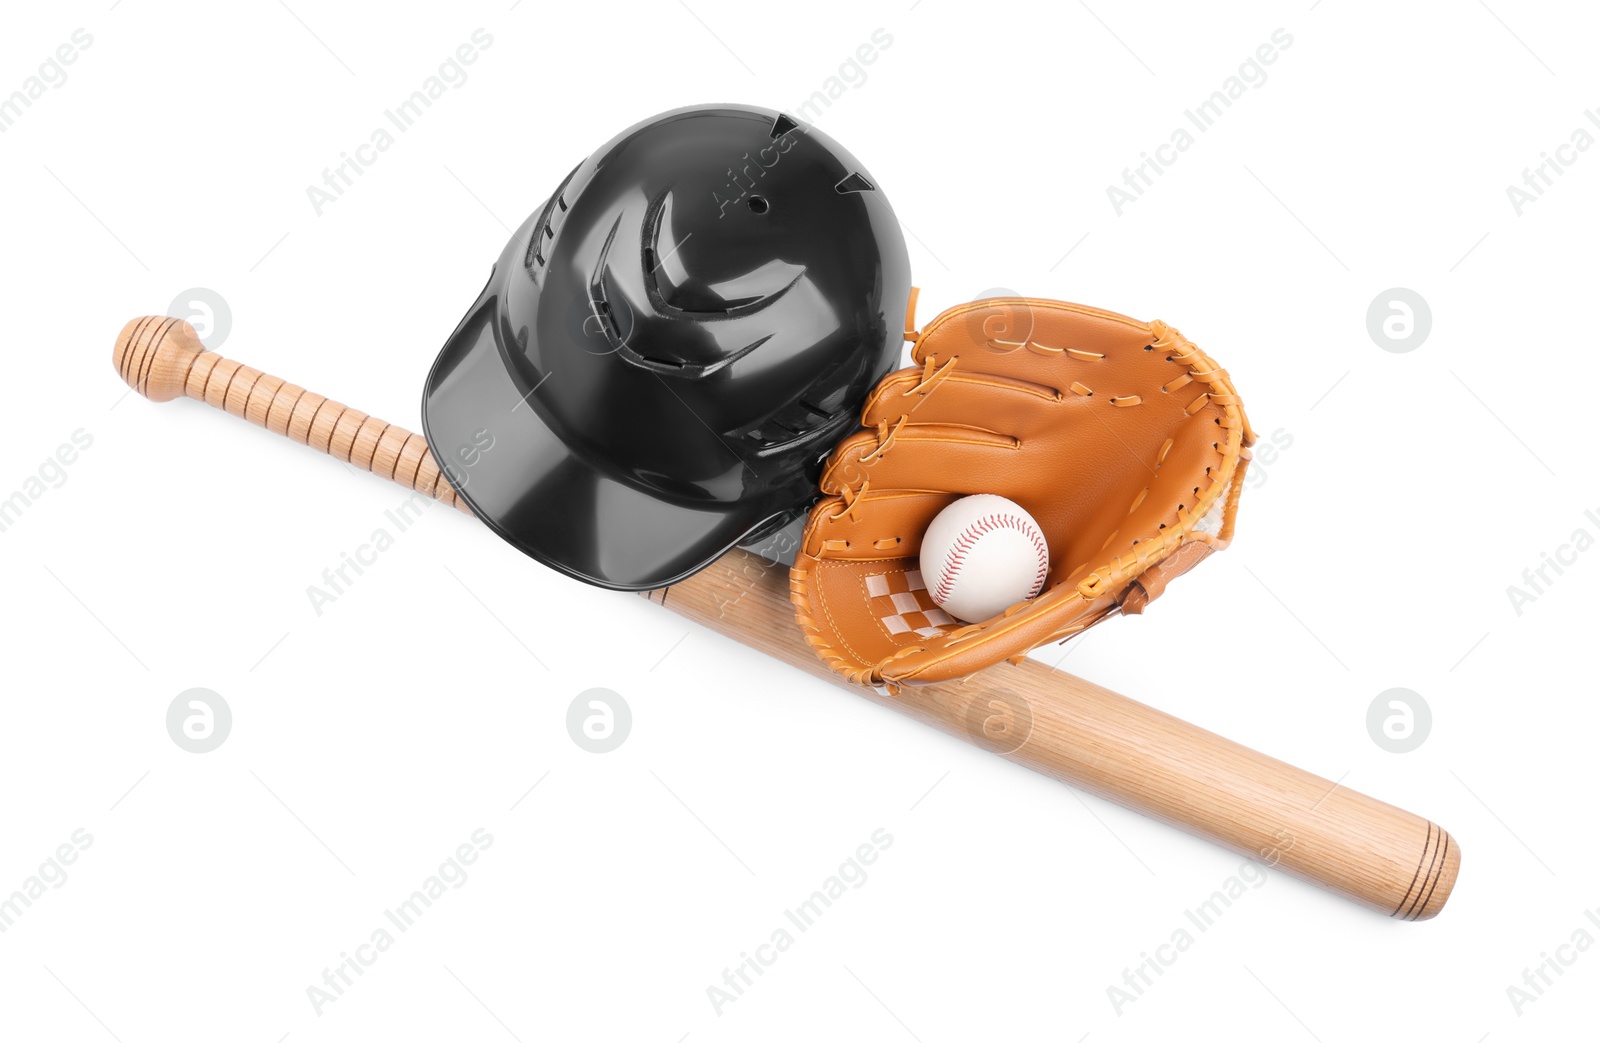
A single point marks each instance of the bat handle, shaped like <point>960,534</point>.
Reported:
<point>162,359</point>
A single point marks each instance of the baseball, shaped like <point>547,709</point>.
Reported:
<point>981,555</point>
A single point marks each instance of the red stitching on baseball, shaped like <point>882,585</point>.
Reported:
<point>969,537</point>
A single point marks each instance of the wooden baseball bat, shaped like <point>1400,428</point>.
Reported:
<point>1368,851</point>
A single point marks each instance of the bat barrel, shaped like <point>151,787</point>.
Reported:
<point>1392,861</point>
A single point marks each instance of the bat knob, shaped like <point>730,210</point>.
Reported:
<point>154,354</point>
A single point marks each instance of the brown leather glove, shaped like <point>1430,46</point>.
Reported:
<point>1123,440</point>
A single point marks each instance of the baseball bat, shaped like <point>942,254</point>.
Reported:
<point>1375,854</point>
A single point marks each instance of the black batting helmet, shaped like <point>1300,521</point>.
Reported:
<point>669,347</point>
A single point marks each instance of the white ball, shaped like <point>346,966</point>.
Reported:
<point>982,554</point>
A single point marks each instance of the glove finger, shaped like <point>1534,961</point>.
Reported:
<point>1004,404</point>
<point>844,469</point>
<point>877,526</point>
<point>1016,336</point>
<point>935,458</point>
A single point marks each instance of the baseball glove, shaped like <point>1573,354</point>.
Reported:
<point>1125,442</point>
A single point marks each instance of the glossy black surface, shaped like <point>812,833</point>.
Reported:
<point>669,347</point>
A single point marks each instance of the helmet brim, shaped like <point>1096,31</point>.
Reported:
<point>540,496</point>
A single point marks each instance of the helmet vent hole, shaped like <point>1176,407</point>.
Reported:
<point>782,125</point>
<point>758,204</point>
<point>561,201</point>
<point>854,183</point>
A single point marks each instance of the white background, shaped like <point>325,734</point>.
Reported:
<point>367,743</point>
